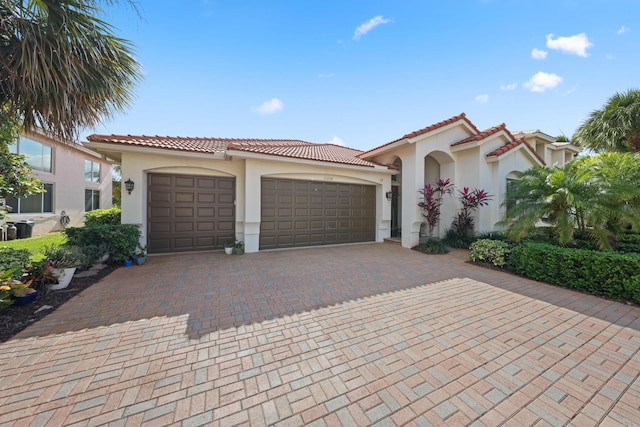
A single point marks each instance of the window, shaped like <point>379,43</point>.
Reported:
<point>91,200</point>
<point>91,171</point>
<point>36,203</point>
<point>38,155</point>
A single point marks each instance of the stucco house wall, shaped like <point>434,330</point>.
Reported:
<point>68,180</point>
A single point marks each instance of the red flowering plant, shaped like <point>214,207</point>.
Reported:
<point>433,198</point>
<point>470,200</point>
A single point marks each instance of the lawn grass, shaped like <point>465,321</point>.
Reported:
<point>36,245</point>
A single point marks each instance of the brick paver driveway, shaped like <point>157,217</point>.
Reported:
<point>351,335</point>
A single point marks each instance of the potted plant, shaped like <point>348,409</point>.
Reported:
<point>139,257</point>
<point>228,247</point>
<point>63,262</point>
<point>238,248</point>
<point>13,290</point>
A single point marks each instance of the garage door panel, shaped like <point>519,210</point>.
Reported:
<point>161,212</point>
<point>205,226</point>
<point>315,212</point>
<point>182,197</point>
<point>183,227</point>
<point>205,213</point>
<point>317,224</point>
<point>283,226</point>
<point>207,198</point>
<point>184,212</point>
<point>285,199</point>
<point>160,227</point>
<point>225,213</point>
<point>184,181</point>
<point>226,198</point>
<point>187,213</point>
<point>160,180</point>
<point>225,226</point>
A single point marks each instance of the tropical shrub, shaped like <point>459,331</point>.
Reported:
<point>111,216</point>
<point>12,258</point>
<point>120,240</point>
<point>494,252</point>
<point>453,239</point>
<point>433,194</point>
<point>433,246</point>
<point>471,200</point>
<point>609,274</point>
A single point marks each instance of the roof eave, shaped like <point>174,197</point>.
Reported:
<point>274,157</point>
<point>529,154</point>
<point>102,147</point>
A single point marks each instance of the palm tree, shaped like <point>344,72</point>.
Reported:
<point>598,195</point>
<point>61,67</point>
<point>557,195</point>
<point>615,127</point>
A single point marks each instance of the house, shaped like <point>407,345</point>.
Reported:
<point>197,193</point>
<point>75,178</point>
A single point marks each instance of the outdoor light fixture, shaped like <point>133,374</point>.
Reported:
<point>128,184</point>
<point>389,195</point>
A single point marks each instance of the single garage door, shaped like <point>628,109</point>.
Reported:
<point>189,212</point>
<point>310,213</point>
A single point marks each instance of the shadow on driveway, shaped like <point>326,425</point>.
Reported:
<point>217,291</point>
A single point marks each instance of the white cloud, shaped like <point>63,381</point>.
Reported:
<point>482,99</point>
<point>270,107</point>
<point>364,28</point>
<point>576,45</point>
<point>509,86</point>
<point>623,30</point>
<point>538,53</point>
<point>336,141</point>
<point>542,81</point>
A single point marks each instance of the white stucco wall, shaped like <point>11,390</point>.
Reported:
<point>248,173</point>
<point>465,166</point>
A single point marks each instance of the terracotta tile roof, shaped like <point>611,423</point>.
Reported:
<point>320,152</point>
<point>510,146</point>
<point>461,116</point>
<point>484,134</point>
<point>274,147</point>
<point>199,145</point>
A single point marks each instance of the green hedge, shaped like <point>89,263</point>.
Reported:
<point>120,240</point>
<point>610,274</point>
<point>111,216</point>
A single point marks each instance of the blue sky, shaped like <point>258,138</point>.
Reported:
<point>362,73</point>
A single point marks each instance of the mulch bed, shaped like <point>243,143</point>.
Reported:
<point>15,318</point>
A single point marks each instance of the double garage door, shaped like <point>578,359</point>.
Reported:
<point>192,213</point>
<point>310,213</point>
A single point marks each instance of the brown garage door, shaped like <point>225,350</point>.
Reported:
<point>309,213</point>
<point>189,212</point>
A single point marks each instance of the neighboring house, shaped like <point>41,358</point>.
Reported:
<point>75,178</point>
<point>197,193</point>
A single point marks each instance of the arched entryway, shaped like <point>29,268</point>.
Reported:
<point>440,165</point>
<point>396,200</point>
